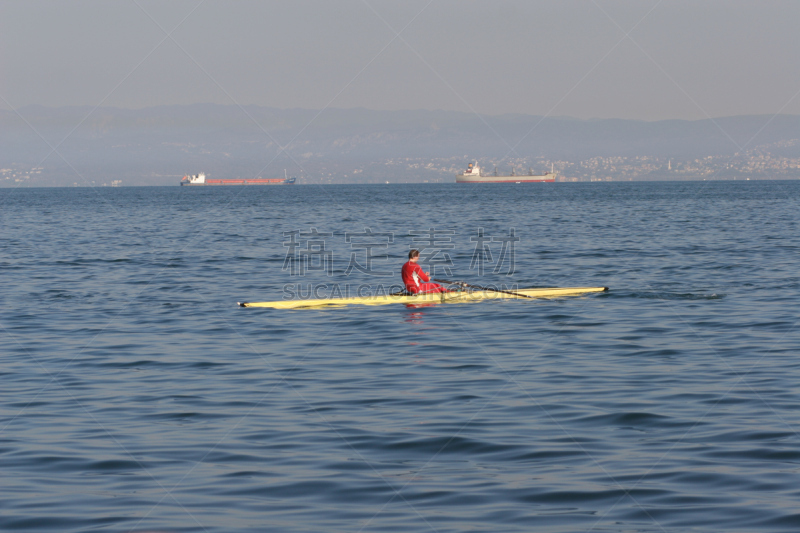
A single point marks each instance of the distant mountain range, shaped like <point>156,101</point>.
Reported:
<point>158,145</point>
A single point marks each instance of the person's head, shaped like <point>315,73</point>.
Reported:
<point>413,255</point>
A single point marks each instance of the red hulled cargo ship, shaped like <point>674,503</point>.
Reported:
<point>201,179</point>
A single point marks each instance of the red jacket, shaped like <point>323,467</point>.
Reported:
<point>412,275</point>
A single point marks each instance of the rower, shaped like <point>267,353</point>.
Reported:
<point>412,274</point>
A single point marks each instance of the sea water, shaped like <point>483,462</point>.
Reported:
<point>137,396</point>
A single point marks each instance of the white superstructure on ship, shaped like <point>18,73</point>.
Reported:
<point>194,179</point>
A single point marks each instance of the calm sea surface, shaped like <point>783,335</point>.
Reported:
<point>136,395</point>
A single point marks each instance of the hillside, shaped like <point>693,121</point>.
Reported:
<point>155,146</point>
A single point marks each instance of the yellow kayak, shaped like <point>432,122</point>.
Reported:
<point>426,299</point>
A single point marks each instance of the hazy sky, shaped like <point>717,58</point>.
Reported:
<point>643,59</point>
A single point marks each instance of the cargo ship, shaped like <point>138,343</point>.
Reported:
<point>201,179</point>
<point>473,174</point>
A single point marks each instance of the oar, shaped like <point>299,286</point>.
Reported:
<point>482,288</point>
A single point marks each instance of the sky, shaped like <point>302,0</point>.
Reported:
<point>638,59</point>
